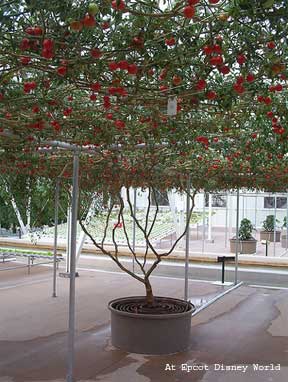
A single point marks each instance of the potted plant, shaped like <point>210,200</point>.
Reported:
<point>284,233</point>
<point>141,324</point>
<point>247,243</point>
<point>269,226</point>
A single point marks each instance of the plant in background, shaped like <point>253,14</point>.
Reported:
<point>269,223</point>
<point>245,230</point>
<point>284,222</point>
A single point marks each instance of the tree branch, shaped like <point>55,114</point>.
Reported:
<point>105,252</point>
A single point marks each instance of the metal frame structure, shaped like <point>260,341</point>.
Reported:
<point>57,192</point>
<point>71,328</point>
<point>73,244</point>
<point>187,240</point>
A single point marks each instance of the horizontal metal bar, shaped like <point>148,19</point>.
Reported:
<point>204,306</point>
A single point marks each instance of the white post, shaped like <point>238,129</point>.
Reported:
<point>226,218</point>
<point>55,236</point>
<point>74,212</point>
<point>203,224</point>
<point>187,240</point>
<point>274,233</point>
<point>286,222</point>
<point>181,221</point>
<point>210,219</point>
<point>230,214</point>
<point>68,239</point>
<point>255,215</point>
<point>237,238</point>
<point>134,228</point>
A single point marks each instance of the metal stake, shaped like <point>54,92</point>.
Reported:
<point>237,238</point>
<point>74,211</point>
<point>57,189</point>
<point>187,240</point>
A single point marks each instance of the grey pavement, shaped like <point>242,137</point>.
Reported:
<point>247,328</point>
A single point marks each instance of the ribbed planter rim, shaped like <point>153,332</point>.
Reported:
<point>277,230</point>
<point>151,316</point>
<point>245,241</point>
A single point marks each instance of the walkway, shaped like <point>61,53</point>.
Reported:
<point>248,326</point>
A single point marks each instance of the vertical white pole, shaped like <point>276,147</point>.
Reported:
<point>274,233</point>
<point>74,212</point>
<point>134,228</point>
<point>210,218</point>
<point>255,215</point>
<point>57,189</point>
<point>231,214</point>
<point>68,245</point>
<point>187,237</point>
<point>226,218</point>
<point>237,238</point>
<point>203,224</point>
<point>286,222</point>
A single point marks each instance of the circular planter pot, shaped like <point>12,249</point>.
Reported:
<point>245,246</point>
<point>150,333</point>
<point>265,235</point>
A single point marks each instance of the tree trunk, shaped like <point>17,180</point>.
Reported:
<point>149,293</point>
<point>28,213</point>
<point>18,214</point>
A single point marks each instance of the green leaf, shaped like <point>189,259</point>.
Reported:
<point>268,4</point>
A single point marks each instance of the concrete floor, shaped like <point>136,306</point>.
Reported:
<point>248,326</point>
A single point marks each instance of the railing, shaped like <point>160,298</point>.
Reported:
<point>31,257</point>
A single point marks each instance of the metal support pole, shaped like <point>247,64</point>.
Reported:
<point>237,238</point>
<point>134,228</point>
<point>68,245</point>
<point>255,214</point>
<point>187,240</point>
<point>210,218</point>
<point>57,189</point>
<point>29,264</point>
<point>274,233</point>
<point>223,272</point>
<point>226,219</point>
<point>286,222</point>
<point>74,212</point>
<point>230,213</point>
<point>203,224</point>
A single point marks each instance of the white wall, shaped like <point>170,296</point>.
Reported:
<point>251,207</point>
